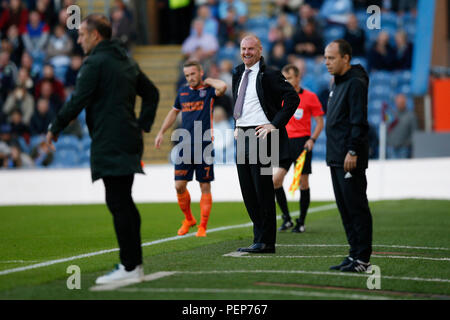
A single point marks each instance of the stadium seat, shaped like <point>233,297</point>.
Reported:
<point>66,158</point>
<point>360,60</point>
<point>85,143</point>
<point>380,92</point>
<point>67,142</point>
<point>375,106</point>
<point>23,145</point>
<point>35,140</point>
<point>332,33</point>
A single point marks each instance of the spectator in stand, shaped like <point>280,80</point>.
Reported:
<point>47,11</point>
<point>71,74</point>
<point>41,118</point>
<point>229,28</point>
<point>58,86</point>
<point>307,41</point>
<point>48,94</point>
<point>200,44</point>
<point>287,29</point>
<point>277,56</point>
<point>284,6</point>
<point>22,100</point>
<point>211,25</point>
<point>18,128</point>
<point>306,13</point>
<point>381,56</point>
<point>239,6</point>
<point>400,131</point>
<point>336,11</point>
<point>404,50</point>
<point>18,159</point>
<point>72,33</point>
<point>355,36</point>
<point>223,137</point>
<point>35,36</point>
<point>42,155</point>
<point>59,44</point>
<point>226,69</point>
<point>34,70</point>
<point>24,80</point>
<point>122,27</point>
<point>16,42</point>
<point>59,48</point>
<point>8,74</point>
<point>16,14</point>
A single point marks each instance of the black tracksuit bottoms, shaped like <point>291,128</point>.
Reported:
<point>351,200</point>
<point>258,192</point>
<point>127,221</point>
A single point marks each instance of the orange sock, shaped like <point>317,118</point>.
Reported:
<point>205,208</point>
<point>184,201</point>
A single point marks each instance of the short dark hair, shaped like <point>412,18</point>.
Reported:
<point>193,63</point>
<point>292,67</point>
<point>344,48</point>
<point>99,22</point>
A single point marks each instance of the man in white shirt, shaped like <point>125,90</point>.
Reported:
<point>264,101</point>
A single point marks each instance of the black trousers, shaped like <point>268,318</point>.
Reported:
<point>351,200</point>
<point>257,191</point>
<point>127,221</point>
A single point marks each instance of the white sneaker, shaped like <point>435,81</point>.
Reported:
<point>120,274</point>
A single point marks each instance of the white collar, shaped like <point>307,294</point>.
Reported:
<point>254,67</point>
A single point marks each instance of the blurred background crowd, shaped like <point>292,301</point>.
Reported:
<point>40,58</point>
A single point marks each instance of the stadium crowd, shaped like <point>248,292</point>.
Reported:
<point>297,32</point>
<point>39,62</point>
<point>40,58</point>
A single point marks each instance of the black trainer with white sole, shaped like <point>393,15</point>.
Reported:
<point>357,266</point>
<point>347,261</point>
<point>285,225</point>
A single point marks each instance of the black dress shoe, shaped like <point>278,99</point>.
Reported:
<point>259,248</point>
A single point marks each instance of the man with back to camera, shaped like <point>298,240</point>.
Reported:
<point>195,101</point>
<point>299,133</point>
<point>348,152</point>
<point>107,85</point>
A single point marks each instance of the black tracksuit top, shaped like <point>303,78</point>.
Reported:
<point>347,127</point>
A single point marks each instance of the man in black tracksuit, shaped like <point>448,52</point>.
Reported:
<point>348,152</point>
<point>264,101</point>
<point>106,86</point>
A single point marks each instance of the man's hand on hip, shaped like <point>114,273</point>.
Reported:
<point>264,130</point>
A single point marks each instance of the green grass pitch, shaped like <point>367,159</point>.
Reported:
<point>411,247</point>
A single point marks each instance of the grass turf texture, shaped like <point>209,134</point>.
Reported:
<point>34,234</point>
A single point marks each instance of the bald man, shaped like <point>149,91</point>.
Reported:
<point>264,101</point>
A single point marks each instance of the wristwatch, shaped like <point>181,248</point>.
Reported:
<point>352,153</point>
<point>314,140</point>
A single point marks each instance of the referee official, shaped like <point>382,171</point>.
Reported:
<point>347,156</point>
<point>107,85</point>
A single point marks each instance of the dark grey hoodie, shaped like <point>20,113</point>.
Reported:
<point>346,125</point>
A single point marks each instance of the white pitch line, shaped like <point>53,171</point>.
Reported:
<point>321,273</point>
<point>19,261</point>
<point>334,256</point>
<point>300,293</point>
<point>374,245</point>
<point>121,284</point>
<point>96,253</point>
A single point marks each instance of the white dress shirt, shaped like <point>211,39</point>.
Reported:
<point>252,112</point>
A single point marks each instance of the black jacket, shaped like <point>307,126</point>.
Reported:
<point>347,127</point>
<point>277,97</point>
<point>107,85</point>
